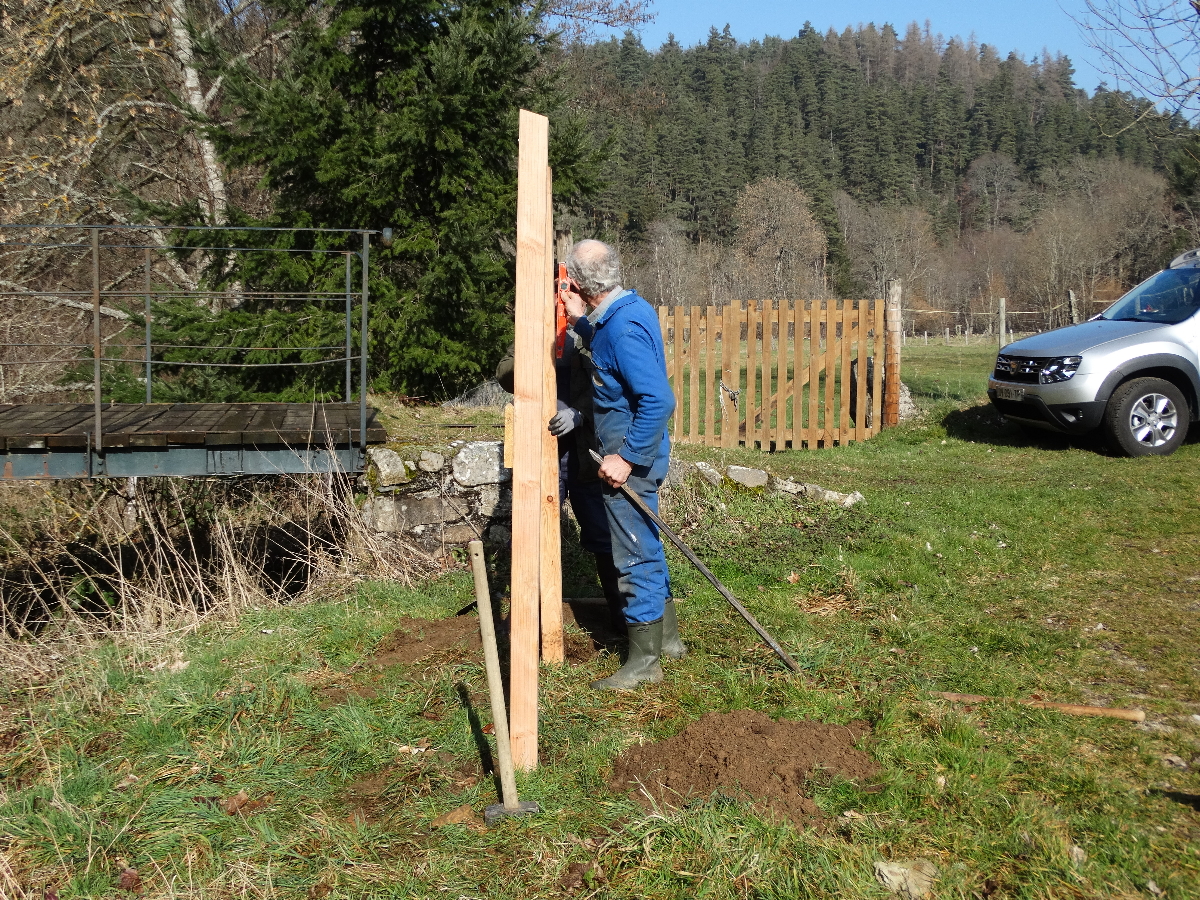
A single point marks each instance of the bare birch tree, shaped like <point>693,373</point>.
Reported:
<point>1151,47</point>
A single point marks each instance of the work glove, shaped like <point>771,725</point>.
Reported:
<point>565,420</point>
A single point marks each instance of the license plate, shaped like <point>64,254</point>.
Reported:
<point>1010,393</point>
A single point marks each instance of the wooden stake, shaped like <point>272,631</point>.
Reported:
<point>528,425</point>
<point>551,524</point>
<point>1129,715</point>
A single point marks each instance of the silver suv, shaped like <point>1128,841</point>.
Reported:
<point>1133,370</point>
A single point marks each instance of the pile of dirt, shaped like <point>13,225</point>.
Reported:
<point>745,755</point>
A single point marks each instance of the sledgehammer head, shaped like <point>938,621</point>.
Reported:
<point>498,811</point>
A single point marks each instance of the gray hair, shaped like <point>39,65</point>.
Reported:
<point>595,267</point>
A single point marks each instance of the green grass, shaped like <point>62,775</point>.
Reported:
<point>981,562</point>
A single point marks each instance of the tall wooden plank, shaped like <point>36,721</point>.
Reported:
<point>844,399</point>
<point>730,373</point>
<point>799,378</point>
<point>860,421</point>
<point>833,353</point>
<point>693,433</point>
<point>750,395</point>
<point>533,256</point>
<point>712,376</point>
<point>550,559</point>
<point>813,430</point>
<point>781,366</point>
<point>877,384</point>
<point>677,320</point>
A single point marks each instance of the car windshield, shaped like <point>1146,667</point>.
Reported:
<point>1168,297</point>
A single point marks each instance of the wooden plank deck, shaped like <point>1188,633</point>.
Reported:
<point>39,426</point>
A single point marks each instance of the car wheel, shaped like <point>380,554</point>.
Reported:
<point>1146,417</point>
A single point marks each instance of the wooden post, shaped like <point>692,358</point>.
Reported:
<point>533,257</point>
<point>1003,324</point>
<point>711,398</point>
<point>1073,305</point>
<point>750,397</point>
<point>677,325</point>
<point>551,525</point>
<point>862,404</point>
<point>693,355</point>
<point>891,357</point>
<point>799,377</point>
<point>730,373</point>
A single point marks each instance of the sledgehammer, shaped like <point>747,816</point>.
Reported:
<point>637,501</point>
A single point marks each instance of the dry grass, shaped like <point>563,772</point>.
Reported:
<point>139,561</point>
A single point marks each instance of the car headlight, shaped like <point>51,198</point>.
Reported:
<point>1061,368</point>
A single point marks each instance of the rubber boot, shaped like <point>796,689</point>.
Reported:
<point>645,647</point>
<point>672,644</point>
<point>606,569</point>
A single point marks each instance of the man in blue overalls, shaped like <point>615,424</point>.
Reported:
<point>631,403</point>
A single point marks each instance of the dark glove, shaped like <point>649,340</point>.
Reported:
<point>565,421</point>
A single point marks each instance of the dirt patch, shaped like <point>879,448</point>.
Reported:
<point>415,639</point>
<point>745,755</point>
<point>411,642</point>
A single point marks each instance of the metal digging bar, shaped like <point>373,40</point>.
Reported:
<point>712,579</point>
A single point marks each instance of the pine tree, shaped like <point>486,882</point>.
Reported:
<point>396,114</point>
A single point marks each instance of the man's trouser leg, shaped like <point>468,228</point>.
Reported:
<point>642,578</point>
<point>587,501</point>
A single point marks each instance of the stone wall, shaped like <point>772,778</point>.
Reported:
<point>441,498</point>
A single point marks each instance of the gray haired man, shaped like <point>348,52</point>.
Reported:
<point>631,404</point>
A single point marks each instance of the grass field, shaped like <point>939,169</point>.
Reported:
<point>983,561</point>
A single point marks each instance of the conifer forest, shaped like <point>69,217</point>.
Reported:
<point>814,165</point>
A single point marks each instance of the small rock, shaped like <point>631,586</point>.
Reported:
<point>1196,718</point>
<point>128,781</point>
<point>911,880</point>
<point>481,462</point>
<point>1078,855</point>
<point>1152,887</point>
<point>430,461</point>
<point>709,473</point>
<point>747,477</point>
<point>390,469</point>
<point>676,473</point>
<point>940,782</point>
<point>1174,761</point>
<point>786,485</point>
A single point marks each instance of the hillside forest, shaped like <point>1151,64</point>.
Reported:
<point>815,166</point>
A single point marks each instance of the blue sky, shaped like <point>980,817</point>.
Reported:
<point>1027,26</point>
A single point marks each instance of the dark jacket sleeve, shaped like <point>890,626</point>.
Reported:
<point>644,372</point>
<point>505,368</point>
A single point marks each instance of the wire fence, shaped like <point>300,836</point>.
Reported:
<point>28,274</point>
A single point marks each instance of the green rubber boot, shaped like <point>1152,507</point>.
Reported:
<point>645,647</point>
<point>672,645</point>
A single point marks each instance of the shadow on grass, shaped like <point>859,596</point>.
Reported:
<point>1192,800</point>
<point>983,425</point>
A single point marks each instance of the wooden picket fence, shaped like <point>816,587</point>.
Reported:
<point>776,374</point>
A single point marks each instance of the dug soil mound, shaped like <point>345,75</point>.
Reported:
<point>745,755</point>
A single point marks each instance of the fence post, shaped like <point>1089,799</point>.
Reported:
<point>149,389</point>
<point>1003,324</point>
<point>349,335</point>
<point>1073,304</point>
<point>891,357</point>
<point>362,351</point>
<point>96,349</point>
